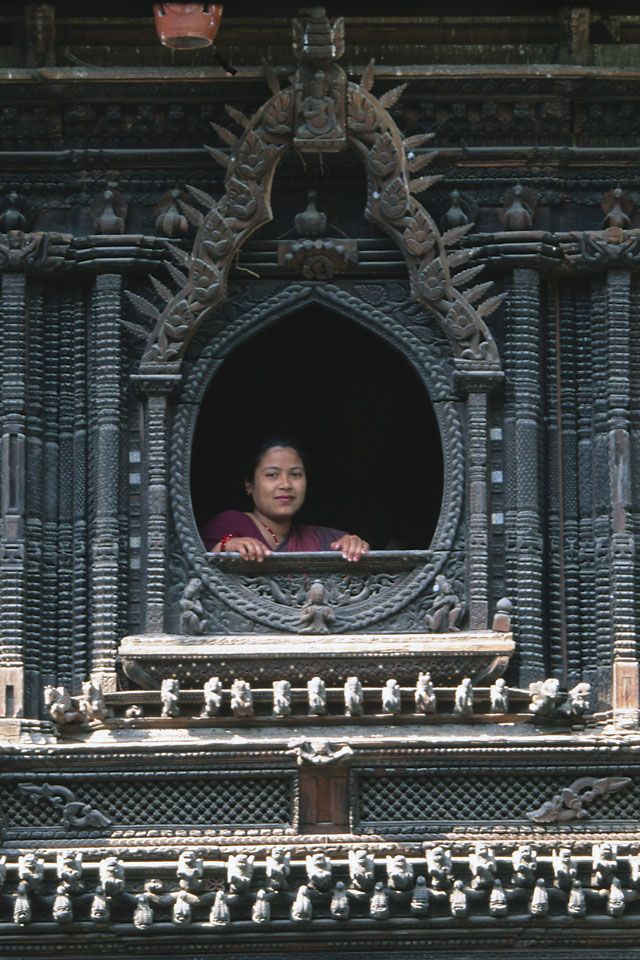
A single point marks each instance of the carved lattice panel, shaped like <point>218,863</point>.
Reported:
<point>457,797</point>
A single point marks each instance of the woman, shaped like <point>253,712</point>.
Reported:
<point>277,485</point>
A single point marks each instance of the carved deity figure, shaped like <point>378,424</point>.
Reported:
<point>31,871</point>
<point>241,699</point>
<point>69,870</point>
<point>525,862</point>
<point>353,697</point>
<point>316,615</point>
<point>319,751</point>
<point>318,867</point>
<point>212,693</point>
<point>111,874</point>
<point>318,110</point>
<point>278,868</point>
<point>425,695</point>
<point>463,699</point>
<point>440,867</point>
<point>499,696</point>
<point>317,694</point>
<point>61,708</point>
<point>281,698</point>
<point>564,871</point>
<point>483,866</point>
<point>240,872</point>
<point>447,609</point>
<point>391,697</point>
<point>400,873</point>
<point>190,871</point>
<point>545,697</point>
<point>604,863</point>
<point>170,697</point>
<point>191,609</point>
<point>361,870</point>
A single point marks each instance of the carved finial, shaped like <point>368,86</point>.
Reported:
<point>458,214</point>
<point>170,222</point>
<point>13,213</point>
<point>109,212</point>
<point>502,616</point>
<point>617,205</point>
<point>518,206</point>
<point>315,38</point>
<point>311,222</point>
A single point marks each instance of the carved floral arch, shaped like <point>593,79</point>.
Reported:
<point>419,352</point>
<point>437,274</point>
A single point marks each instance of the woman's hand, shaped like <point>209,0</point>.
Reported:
<point>248,547</point>
<point>351,546</point>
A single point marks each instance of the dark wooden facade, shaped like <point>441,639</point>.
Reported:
<point>454,334</point>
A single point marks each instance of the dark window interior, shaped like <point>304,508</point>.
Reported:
<point>355,406</point>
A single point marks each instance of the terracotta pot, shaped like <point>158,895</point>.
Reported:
<point>184,26</point>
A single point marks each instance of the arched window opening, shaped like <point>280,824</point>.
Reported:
<point>357,408</point>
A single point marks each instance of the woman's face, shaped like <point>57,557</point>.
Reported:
<point>279,484</point>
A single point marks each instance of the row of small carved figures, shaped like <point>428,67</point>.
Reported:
<point>420,887</point>
<point>547,699</point>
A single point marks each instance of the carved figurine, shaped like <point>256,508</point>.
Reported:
<point>170,222</point>
<point>539,904</point>
<point>100,911</point>
<point>616,901</point>
<point>400,873</point>
<point>61,709</point>
<point>318,110</point>
<point>261,910</point>
<point>317,694</point>
<point>22,905</point>
<point>316,615</point>
<point>604,863</point>
<point>361,871</point>
<point>93,705</point>
<point>212,697</point>
<point>241,699</point>
<point>498,906</point>
<point>353,697</point>
<point>499,696</point>
<point>190,871</point>
<point>570,802</point>
<point>143,914</point>
<point>111,874</point>
<point>181,914</point>
<point>519,204</point>
<point>318,867</point>
<point>240,872</point>
<point>545,697</point>
<point>311,222</point>
<point>564,871</point>
<point>12,217</point>
<point>447,609</point>
<point>391,697</point>
<point>576,907</point>
<point>463,699</point>
<point>455,216</point>
<point>525,862</point>
<point>302,908</point>
<point>109,212</point>
<point>62,908</point>
<point>634,867</point>
<point>192,621</point>
<point>379,906</point>
<point>483,866</point>
<point>425,695</point>
<point>278,868</point>
<point>440,867</point>
<point>134,712</point>
<point>339,906</point>
<point>617,205</point>
<point>458,903</point>
<point>578,702</point>
<point>419,906</point>
<point>170,697</point>
<point>318,751</point>
<point>69,870</point>
<point>31,871</point>
<point>220,915</point>
<point>281,698</point>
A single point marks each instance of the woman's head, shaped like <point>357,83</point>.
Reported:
<point>276,480</point>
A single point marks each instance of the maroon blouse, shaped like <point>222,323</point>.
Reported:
<point>303,537</point>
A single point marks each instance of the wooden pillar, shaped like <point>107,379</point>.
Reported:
<point>523,424</point>
<point>622,549</point>
<point>12,533</point>
<point>106,444</point>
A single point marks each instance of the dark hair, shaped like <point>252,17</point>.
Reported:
<point>264,446</point>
